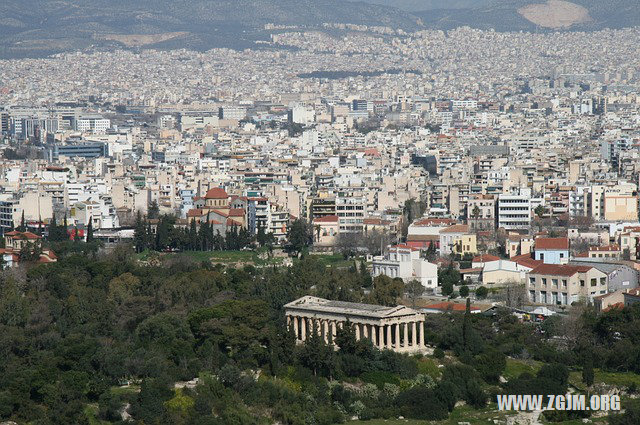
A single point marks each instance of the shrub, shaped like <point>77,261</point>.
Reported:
<point>482,292</point>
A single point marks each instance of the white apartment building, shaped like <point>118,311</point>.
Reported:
<point>351,209</point>
<point>404,262</point>
<point>93,124</point>
<point>514,211</point>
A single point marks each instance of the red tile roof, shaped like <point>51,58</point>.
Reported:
<point>552,243</point>
<point>559,269</point>
<point>471,270</point>
<point>375,221</point>
<point>485,258</point>
<point>434,222</point>
<point>195,212</point>
<point>458,228</point>
<point>423,238</point>
<point>216,193</point>
<point>371,152</point>
<point>22,235</point>
<point>326,219</point>
<point>236,212</point>
<point>526,260</point>
<point>607,248</point>
<point>616,306</point>
<point>404,246</point>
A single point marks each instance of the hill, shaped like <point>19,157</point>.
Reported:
<point>528,15</point>
<point>40,27</point>
<point>34,28</point>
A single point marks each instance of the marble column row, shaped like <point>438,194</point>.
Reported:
<point>395,336</point>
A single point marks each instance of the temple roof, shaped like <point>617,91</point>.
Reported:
<point>321,305</point>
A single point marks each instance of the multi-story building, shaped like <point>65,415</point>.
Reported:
<point>481,211</point>
<point>404,262</point>
<point>557,284</point>
<point>514,212</point>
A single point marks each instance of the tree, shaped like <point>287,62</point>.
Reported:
<point>365,275</point>
<point>375,241</point>
<point>587,371</point>
<point>64,233</point>
<point>540,211</point>
<point>430,254</point>
<point>30,252</point>
<point>386,290</point>
<point>514,294</point>
<point>53,230</point>
<point>299,236</point>
<point>153,212</point>
<point>464,291</point>
<point>139,234</point>
<point>482,292</point>
<point>89,230</point>
<point>466,326</point>
<point>348,243</point>
<point>415,290</point>
<point>263,238</point>
<point>447,288</point>
<point>317,355</point>
<point>475,213</point>
<point>23,226</point>
<point>410,211</point>
<point>448,277</point>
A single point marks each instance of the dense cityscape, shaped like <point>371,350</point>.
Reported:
<point>350,227</point>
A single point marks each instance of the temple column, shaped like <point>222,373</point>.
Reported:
<point>405,336</point>
<point>325,325</point>
<point>374,335</point>
<point>334,330</point>
<point>303,335</point>
<point>357,326</point>
<point>295,327</point>
<point>421,334</point>
<point>365,331</point>
<point>396,327</point>
<point>388,344</point>
<point>414,335</point>
<point>381,337</point>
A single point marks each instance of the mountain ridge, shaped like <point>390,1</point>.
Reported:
<point>35,28</point>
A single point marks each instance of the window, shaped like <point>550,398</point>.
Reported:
<point>564,282</point>
<point>561,255</point>
<point>582,283</point>
<point>554,282</point>
<point>532,280</point>
<point>603,281</point>
<point>594,282</point>
<point>544,281</point>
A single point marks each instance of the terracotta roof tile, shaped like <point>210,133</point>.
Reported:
<point>216,193</point>
<point>559,269</point>
<point>458,228</point>
<point>326,219</point>
<point>552,243</point>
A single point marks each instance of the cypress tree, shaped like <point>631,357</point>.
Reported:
<point>63,234</point>
<point>53,229</point>
<point>587,371</point>
<point>90,230</point>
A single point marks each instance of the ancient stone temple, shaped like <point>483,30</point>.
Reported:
<point>400,328</point>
